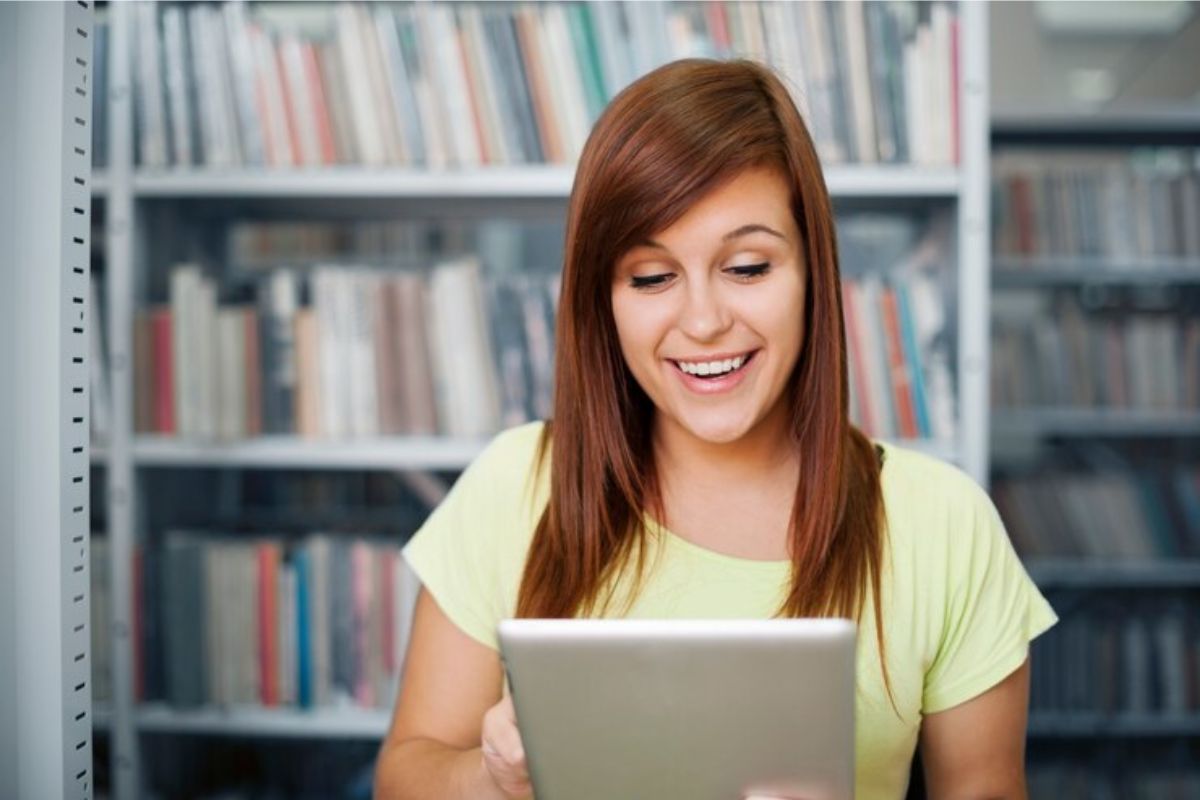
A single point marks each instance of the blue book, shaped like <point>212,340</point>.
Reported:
<point>913,357</point>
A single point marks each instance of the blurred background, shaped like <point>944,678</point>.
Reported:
<point>326,248</point>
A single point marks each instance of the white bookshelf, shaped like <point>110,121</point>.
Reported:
<point>534,181</point>
<point>1079,422</point>
<point>1037,273</point>
<point>289,452</point>
<point>128,191</point>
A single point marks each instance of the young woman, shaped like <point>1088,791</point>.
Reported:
<point>700,464</point>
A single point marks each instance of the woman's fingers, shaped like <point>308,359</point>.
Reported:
<point>503,753</point>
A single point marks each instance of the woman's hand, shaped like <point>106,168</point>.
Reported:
<point>503,753</point>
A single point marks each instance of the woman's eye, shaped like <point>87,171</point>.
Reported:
<point>649,281</point>
<point>749,270</point>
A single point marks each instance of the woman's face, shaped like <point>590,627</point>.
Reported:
<point>710,311</point>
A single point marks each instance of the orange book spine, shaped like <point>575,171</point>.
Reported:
<point>901,382</point>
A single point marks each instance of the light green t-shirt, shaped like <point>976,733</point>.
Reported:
<point>959,610</point>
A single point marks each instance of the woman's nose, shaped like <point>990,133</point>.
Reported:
<point>704,316</point>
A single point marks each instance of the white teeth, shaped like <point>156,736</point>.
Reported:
<point>712,367</point>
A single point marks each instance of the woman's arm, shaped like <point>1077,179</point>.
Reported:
<point>450,681</point>
<point>976,750</point>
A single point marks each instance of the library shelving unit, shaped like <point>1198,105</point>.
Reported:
<point>1164,585</point>
<point>133,196</point>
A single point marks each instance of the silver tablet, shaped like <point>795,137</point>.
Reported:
<point>694,710</point>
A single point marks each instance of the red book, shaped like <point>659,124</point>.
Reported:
<point>268,623</point>
<point>164,384</point>
<point>718,25</point>
<point>906,418</point>
<point>854,340</point>
<point>312,75</point>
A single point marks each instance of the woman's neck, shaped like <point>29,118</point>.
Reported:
<point>766,451</point>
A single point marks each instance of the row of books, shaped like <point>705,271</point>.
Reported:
<point>373,353</point>
<point>900,379</point>
<point>1114,513</point>
<point>389,353</point>
<point>1057,353</point>
<point>1119,658</point>
<point>1131,205</point>
<point>225,620</point>
<point>440,84</point>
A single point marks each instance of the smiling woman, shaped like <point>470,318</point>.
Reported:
<point>700,463</point>
<point>710,313</point>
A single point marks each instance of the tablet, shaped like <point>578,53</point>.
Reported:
<point>688,709</point>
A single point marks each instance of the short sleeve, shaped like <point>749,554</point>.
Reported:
<point>462,552</point>
<point>992,610</point>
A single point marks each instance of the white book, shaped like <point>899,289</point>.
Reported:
<point>386,110</point>
<point>219,46</point>
<point>367,129</point>
<point>231,360</point>
<point>751,24</point>
<point>468,393</point>
<point>242,66</point>
<point>914,84</point>
<point>183,282</point>
<point>453,83</point>
<point>427,91</point>
<point>182,151</point>
<point>364,400</point>
<point>941,83</point>
<point>783,44</point>
<point>152,132</point>
<point>207,367</point>
<point>207,109</point>
<point>859,82</point>
<point>565,81</point>
<point>396,84</point>
<point>331,359</point>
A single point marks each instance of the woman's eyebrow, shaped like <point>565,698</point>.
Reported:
<point>744,230</point>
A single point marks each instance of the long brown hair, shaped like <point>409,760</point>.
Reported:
<point>663,143</point>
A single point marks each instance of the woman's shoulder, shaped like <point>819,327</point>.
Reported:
<point>929,494</point>
<point>510,462</point>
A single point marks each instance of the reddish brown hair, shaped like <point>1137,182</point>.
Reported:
<point>664,142</point>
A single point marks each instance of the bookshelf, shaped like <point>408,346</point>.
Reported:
<point>148,207</point>
<point>1125,592</point>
